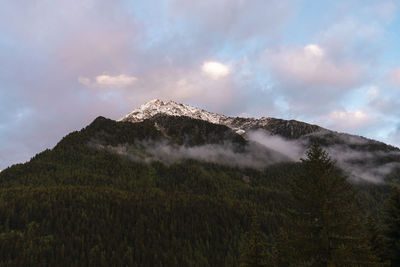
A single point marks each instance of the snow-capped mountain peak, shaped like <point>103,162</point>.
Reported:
<point>288,129</point>
<point>156,106</point>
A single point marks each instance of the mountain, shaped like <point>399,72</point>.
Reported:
<point>360,157</point>
<point>170,185</point>
<point>100,198</point>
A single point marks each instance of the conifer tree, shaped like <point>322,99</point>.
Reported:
<point>376,240</point>
<point>256,255</point>
<point>325,228</point>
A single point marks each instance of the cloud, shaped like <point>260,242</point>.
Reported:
<point>46,46</point>
<point>187,85</point>
<point>314,50</point>
<point>343,57</point>
<point>108,81</point>
<point>394,77</point>
<point>347,120</point>
<point>55,54</point>
<point>253,155</point>
<point>84,80</point>
<point>292,149</point>
<point>311,74</point>
<point>362,165</point>
<point>264,150</point>
<point>359,164</point>
<point>120,80</point>
<point>233,21</point>
<point>384,102</point>
<point>310,66</point>
<point>215,69</point>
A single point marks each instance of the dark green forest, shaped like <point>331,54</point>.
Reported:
<point>81,204</point>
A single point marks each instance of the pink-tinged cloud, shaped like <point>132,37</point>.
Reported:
<point>118,81</point>
<point>108,81</point>
<point>346,120</point>
<point>234,20</point>
<point>384,102</point>
<point>394,77</point>
<point>310,67</point>
<point>70,61</point>
<point>209,84</point>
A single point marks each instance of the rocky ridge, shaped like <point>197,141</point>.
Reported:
<point>290,129</point>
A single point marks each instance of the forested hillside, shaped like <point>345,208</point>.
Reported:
<point>99,198</point>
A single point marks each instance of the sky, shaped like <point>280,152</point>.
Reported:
<point>63,63</point>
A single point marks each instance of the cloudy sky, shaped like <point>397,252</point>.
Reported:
<point>63,63</point>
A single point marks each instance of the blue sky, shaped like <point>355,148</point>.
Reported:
<point>63,63</point>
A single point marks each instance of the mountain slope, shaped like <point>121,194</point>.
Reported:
<point>360,157</point>
<point>164,191</point>
<point>289,129</point>
<point>86,200</point>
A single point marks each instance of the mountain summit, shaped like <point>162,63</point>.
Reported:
<point>287,128</point>
<point>171,108</point>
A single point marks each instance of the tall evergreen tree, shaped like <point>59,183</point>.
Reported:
<point>376,240</point>
<point>256,255</point>
<point>325,228</point>
<point>392,222</point>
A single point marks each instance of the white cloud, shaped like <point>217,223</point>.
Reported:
<point>215,69</point>
<point>314,50</point>
<point>108,81</point>
<point>310,66</point>
<point>341,114</point>
<point>346,120</point>
<point>120,80</point>
<point>292,149</point>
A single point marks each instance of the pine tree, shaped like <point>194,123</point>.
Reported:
<point>256,255</point>
<point>376,240</point>
<point>392,222</point>
<point>325,227</point>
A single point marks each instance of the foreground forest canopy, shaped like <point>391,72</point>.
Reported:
<point>97,200</point>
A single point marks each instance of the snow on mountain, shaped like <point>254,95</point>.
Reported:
<point>171,108</point>
<point>289,129</point>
